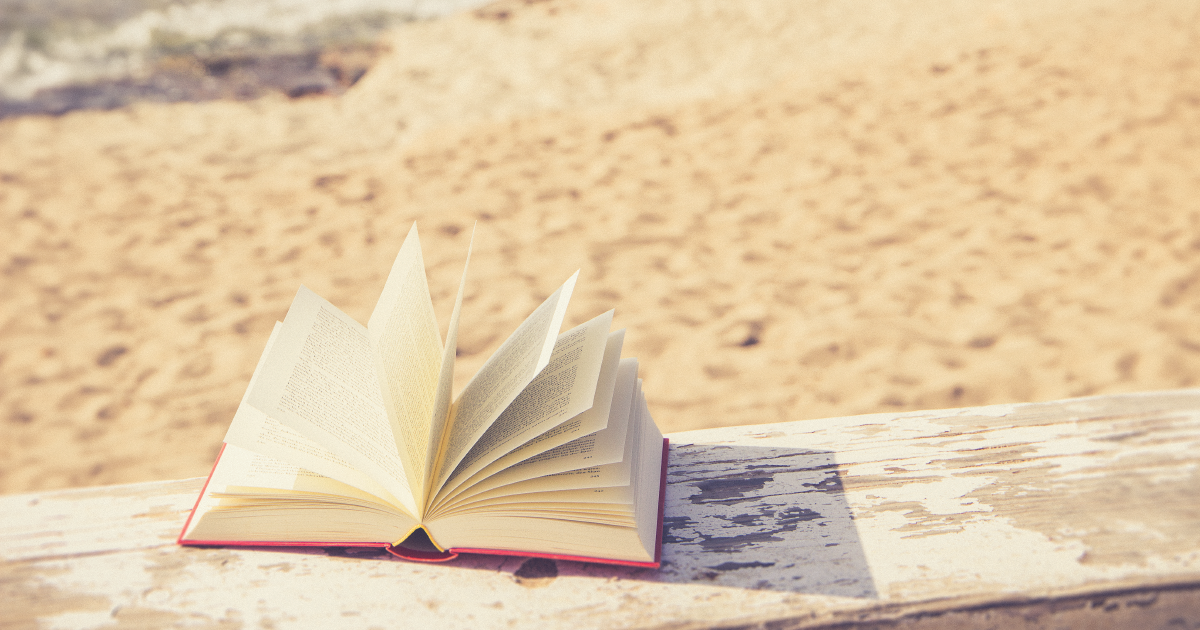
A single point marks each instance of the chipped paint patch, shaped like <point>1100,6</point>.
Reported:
<point>773,509</point>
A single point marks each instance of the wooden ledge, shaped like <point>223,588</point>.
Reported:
<point>1075,513</point>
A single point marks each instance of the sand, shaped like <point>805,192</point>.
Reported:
<point>799,210</point>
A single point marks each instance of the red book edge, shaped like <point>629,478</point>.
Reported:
<point>424,556</point>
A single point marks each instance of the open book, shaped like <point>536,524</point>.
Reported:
<point>347,436</point>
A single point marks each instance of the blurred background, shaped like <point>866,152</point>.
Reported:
<point>799,209</point>
<point>62,55</point>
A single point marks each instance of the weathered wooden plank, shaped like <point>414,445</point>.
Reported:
<point>94,520</point>
<point>1074,513</point>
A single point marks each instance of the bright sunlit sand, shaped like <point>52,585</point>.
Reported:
<point>798,210</point>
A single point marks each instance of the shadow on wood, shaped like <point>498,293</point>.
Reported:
<point>761,518</point>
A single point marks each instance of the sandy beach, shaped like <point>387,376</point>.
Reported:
<point>798,210</point>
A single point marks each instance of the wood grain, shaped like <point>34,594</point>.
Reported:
<point>1075,513</point>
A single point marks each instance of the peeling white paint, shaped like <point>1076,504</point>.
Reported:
<point>780,522</point>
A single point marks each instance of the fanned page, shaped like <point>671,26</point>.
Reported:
<point>254,430</point>
<point>441,406</point>
<point>573,465</point>
<point>538,490</point>
<point>565,388</point>
<point>543,490</point>
<point>598,449</point>
<point>501,379</point>
<point>581,426</point>
<point>574,525</point>
<point>594,419</point>
<point>319,379</point>
<point>408,351</point>
<point>564,476</point>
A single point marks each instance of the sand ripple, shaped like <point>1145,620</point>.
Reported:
<point>799,211</point>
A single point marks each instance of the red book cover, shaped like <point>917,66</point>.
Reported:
<point>450,554</point>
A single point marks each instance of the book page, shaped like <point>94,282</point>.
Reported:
<point>244,471</point>
<point>590,421</point>
<point>502,378</point>
<point>546,535</point>
<point>565,388</point>
<point>273,489</point>
<point>319,379</point>
<point>607,446</point>
<point>571,533</point>
<point>607,475</point>
<point>648,479</point>
<point>254,430</point>
<point>441,402</point>
<point>607,435</point>
<point>599,478</point>
<point>579,512</point>
<point>619,498</point>
<point>407,349</point>
<point>616,495</point>
<point>590,477</point>
<point>560,468</point>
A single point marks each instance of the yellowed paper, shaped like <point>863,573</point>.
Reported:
<point>252,496</point>
<point>564,389</point>
<point>553,474</point>
<point>593,460</point>
<point>407,352</point>
<point>441,404</point>
<point>319,379</point>
<point>594,419</point>
<point>502,378</point>
<point>253,430</point>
